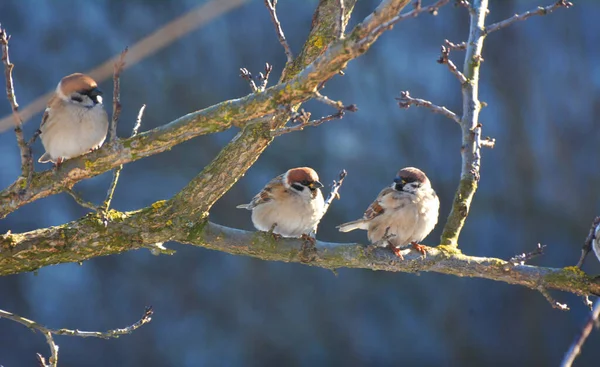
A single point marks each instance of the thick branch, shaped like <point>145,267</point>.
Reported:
<point>87,238</point>
<point>471,129</point>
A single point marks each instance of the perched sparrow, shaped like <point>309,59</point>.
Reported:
<point>596,238</point>
<point>409,208</point>
<point>74,122</point>
<point>291,204</point>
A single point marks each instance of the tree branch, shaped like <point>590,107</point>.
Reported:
<point>26,156</point>
<point>242,112</point>
<point>405,101</point>
<point>575,348</point>
<point>271,4</point>
<point>87,237</point>
<point>53,360</point>
<point>471,129</point>
<point>540,10</point>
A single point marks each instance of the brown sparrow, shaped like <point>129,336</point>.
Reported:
<point>74,122</point>
<point>596,239</point>
<point>402,214</point>
<point>290,205</point>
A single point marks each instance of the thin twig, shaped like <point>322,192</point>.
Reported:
<point>445,59</point>
<point>335,187</point>
<point>405,101</point>
<point>432,9</point>
<point>456,46</point>
<point>338,105</point>
<point>271,4</point>
<point>552,301</point>
<point>304,118</point>
<point>53,360</point>
<point>341,19</point>
<point>575,348</point>
<point>540,10</point>
<point>589,241</point>
<point>117,69</point>
<point>264,78</point>
<point>26,155</point>
<point>117,171</point>
<point>80,200</point>
<point>247,76</point>
<point>521,259</point>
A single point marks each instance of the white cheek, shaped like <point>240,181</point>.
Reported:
<point>99,98</point>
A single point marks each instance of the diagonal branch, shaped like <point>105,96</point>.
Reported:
<point>26,155</point>
<point>540,10</point>
<point>271,4</point>
<point>405,101</point>
<point>575,348</point>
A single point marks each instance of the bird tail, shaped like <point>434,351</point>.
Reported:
<point>351,226</point>
<point>45,158</point>
<point>244,206</point>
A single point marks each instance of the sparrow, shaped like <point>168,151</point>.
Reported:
<point>402,214</point>
<point>74,121</point>
<point>290,205</point>
<point>596,238</point>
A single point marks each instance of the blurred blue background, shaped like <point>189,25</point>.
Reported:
<point>541,80</point>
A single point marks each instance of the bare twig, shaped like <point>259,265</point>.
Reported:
<point>117,69</point>
<point>405,101</point>
<point>335,187</point>
<point>575,348</point>
<point>247,76</point>
<point>53,360</point>
<point>456,46</point>
<point>432,9</point>
<point>521,259</point>
<point>271,4</point>
<point>264,78</point>
<point>589,240</point>
<point>540,10</point>
<point>445,59</point>
<point>80,200</point>
<point>117,171</point>
<point>304,120</point>
<point>338,105</point>
<point>555,304</point>
<point>26,155</point>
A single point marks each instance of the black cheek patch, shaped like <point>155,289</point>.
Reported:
<point>297,187</point>
<point>77,99</point>
<point>398,187</point>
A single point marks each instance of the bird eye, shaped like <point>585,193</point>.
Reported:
<point>305,182</point>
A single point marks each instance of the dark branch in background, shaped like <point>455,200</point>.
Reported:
<point>575,348</point>
<point>589,241</point>
<point>26,155</point>
<point>118,68</point>
<point>271,4</point>
<point>405,101</point>
<point>540,10</point>
<point>146,318</point>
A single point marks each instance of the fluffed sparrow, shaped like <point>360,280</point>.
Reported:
<point>409,208</point>
<point>291,204</point>
<point>74,122</point>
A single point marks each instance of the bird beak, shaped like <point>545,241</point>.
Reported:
<point>315,185</point>
<point>96,95</point>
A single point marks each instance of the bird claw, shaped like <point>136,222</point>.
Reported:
<point>308,251</point>
<point>276,236</point>
<point>422,249</point>
<point>397,251</point>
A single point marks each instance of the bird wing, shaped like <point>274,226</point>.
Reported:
<point>272,189</point>
<point>377,207</point>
